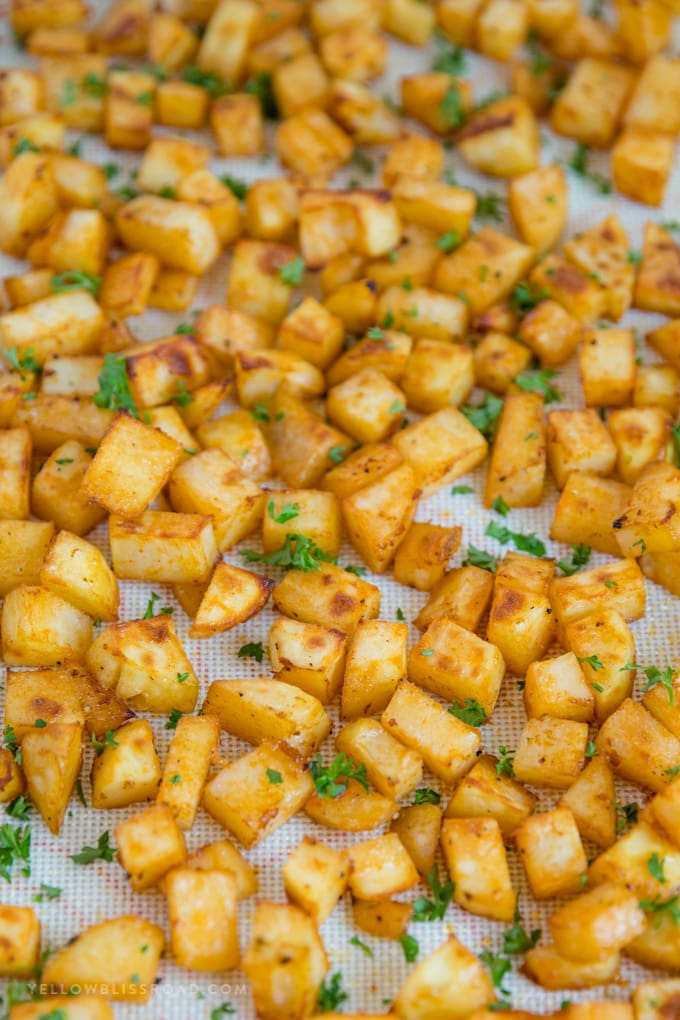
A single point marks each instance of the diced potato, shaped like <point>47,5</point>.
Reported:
<point>638,747</point>
<point>606,362</point>
<point>592,801</point>
<point>424,554</point>
<point>38,628</point>
<point>330,596</point>
<point>149,845</point>
<point>456,665</point>
<point>131,466</point>
<point>418,827</point>
<point>233,595</point>
<point>605,646</point>
<point>376,663</point>
<point>477,863</point>
<point>244,798</point>
<point>487,793</point>
<point>127,771</point>
<point>463,595</point>
<point>642,162</point>
<point>447,745</point>
<point>551,752</point>
<point>551,851</point>
<point>586,510</point>
<point>538,205</point>
<point>618,585</point>
<point>380,867</point>
<point>77,571</point>
<point>315,878</point>
<point>544,965</point>
<point>51,760</point>
<point>107,956</point>
<point>393,769</point>
<point>285,961</point>
<point>202,908</point>
<point>56,493</point>
<point>308,656</point>
<point>648,522</point>
<point>211,483</point>
<point>378,516</point>
<point>441,448</point>
<point>355,810</point>
<point>20,941</point>
<point>591,105</point>
<point>268,710</point>
<point>557,687</point>
<point>508,262</point>
<point>450,982</point>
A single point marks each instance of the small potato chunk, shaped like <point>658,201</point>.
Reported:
<point>149,845</point>
<point>308,656</point>
<point>19,941</point>
<point>538,205</point>
<point>202,908</point>
<point>376,663</point>
<point>477,863</point>
<point>315,878</point>
<point>451,982</point>
<point>247,798</point>
<point>285,961</point>
<point>180,234</point>
<point>424,554</point>
<point>127,770</point>
<point>188,761</point>
<point>233,595</point>
<point>457,665</point>
<point>447,746</point>
<point>578,440</point>
<point>268,710</point>
<point>518,458</point>
<point>551,851</point>
<point>379,868</point>
<point>544,965</point>
<point>638,747</point>
<point>367,406</point>
<point>551,752</point>
<point>441,447</point>
<point>77,571</point>
<point>487,793</point>
<point>51,760</point>
<point>597,923</point>
<point>130,467</point>
<point>330,596</point>
<point>393,769</point>
<point>606,362</point>
<point>378,516</point>
<point>502,139</point>
<point>592,801</point>
<point>604,646</point>
<point>38,628</point>
<point>106,955</point>
<point>463,595</point>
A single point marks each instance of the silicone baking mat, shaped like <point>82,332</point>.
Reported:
<point>99,891</point>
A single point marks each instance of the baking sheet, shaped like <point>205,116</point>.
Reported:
<point>100,890</point>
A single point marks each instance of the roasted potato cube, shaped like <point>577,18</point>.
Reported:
<point>285,961</point>
<point>149,845</point>
<point>551,851</point>
<point>551,752</point>
<point>618,585</point>
<point>583,296</point>
<point>597,923</point>
<point>308,656</point>
<point>247,798</point>
<point>211,483</point>
<point>462,595</point>
<point>20,941</point>
<point>544,965</point>
<point>476,861</point>
<point>538,205</point>
<point>393,769</point>
<point>591,105</point>
<point>648,521</point>
<point>376,662</point>
<point>503,138</point>
<point>423,556</point>
<point>638,747</point>
<point>447,745</point>
<point>592,802</point>
<point>131,466</point>
<point>331,596</point>
<point>450,981</point>
<point>578,440</point>
<point>355,810</point>
<point>202,908</point>
<point>233,595</point>
<point>315,878</point>
<point>109,954</point>
<point>268,710</point>
<point>127,770</point>
<point>378,516</point>
<point>607,367</point>
<point>557,687</point>
<point>77,571</point>
<point>487,793</point>
<point>39,628</point>
<point>56,491</point>
<point>457,665</point>
<point>51,758</point>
